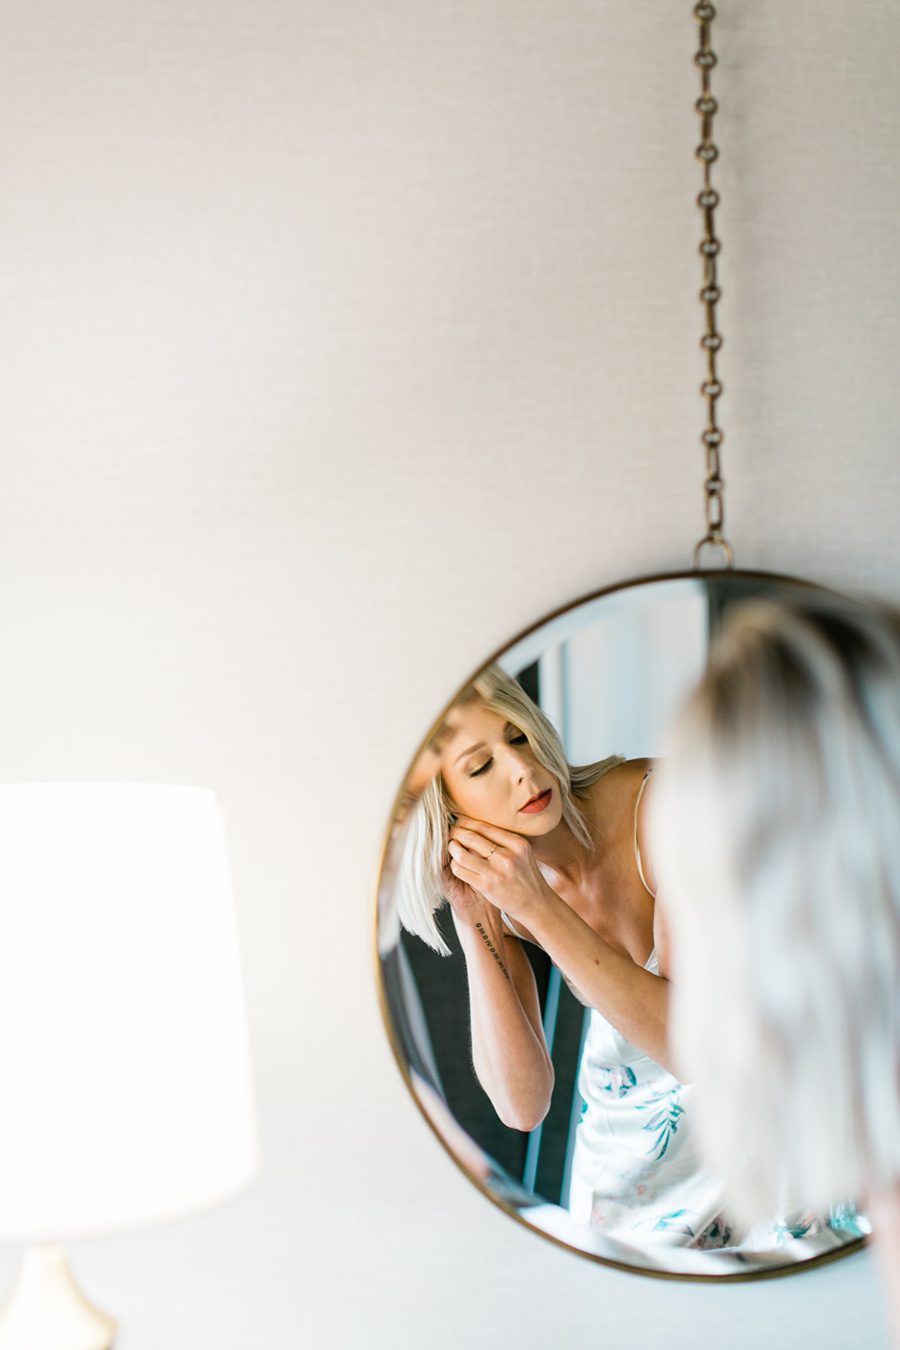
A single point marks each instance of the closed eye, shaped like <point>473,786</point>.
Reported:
<point>518,739</point>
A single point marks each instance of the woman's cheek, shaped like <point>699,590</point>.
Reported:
<point>470,805</point>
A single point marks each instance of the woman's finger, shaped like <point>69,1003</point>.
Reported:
<point>475,842</point>
<point>491,832</point>
<point>467,856</point>
<point>463,873</point>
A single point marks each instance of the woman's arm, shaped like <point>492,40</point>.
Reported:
<point>509,1052</point>
<point>635,1001</point>
<point>883,1208</point>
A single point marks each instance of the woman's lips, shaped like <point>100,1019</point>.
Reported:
<point>537,804</point>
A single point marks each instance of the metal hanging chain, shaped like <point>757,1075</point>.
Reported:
<point>711,342</point>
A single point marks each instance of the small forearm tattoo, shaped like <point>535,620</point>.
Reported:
<point>493,950</point>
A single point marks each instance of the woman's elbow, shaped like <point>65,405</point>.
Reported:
<point>520,1118</point>
<point>526,1112</point>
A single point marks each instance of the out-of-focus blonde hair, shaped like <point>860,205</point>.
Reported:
<point>775,829</point>
<point>420,882</point>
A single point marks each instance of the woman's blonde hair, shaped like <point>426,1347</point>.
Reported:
<point>775,825</point>
<point>420,882</point>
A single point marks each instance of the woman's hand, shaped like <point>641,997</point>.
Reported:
<point>497,865</point>
<point>467,905</point>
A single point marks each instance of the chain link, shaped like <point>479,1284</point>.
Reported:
<point>711,342</point>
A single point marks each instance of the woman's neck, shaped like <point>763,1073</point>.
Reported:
<point>562,851</point>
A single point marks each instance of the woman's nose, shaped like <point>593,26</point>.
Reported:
<point>520,765</point>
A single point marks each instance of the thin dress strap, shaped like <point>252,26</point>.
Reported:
<point>514,930</point>
<point>637,847</point>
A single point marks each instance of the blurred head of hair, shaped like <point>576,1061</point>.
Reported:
<point>775,827</point>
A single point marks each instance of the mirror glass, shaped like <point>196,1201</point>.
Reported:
<point>601,1161</point>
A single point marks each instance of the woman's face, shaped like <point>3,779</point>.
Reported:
<point>492,774</point>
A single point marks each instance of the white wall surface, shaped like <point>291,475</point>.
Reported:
<point>340,340</point>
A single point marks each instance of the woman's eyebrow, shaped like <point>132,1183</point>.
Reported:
<point>471,750</point>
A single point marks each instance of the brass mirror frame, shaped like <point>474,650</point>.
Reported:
<point>731,1277</point>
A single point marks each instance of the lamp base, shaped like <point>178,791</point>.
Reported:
<point>47,1310</point>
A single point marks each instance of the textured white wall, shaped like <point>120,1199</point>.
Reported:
<point>339,341</point>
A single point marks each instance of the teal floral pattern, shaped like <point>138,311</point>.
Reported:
<point>675,1222</point>
<point>615,1078</point>
<point>844,1218</point>
<point>796,1227</point>
<point>663,1123</point>
<point>717,1234</point>
<point>635,1170</point>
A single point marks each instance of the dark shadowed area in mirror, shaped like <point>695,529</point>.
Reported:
<point>523,956</point>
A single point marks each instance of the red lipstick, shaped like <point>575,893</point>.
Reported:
<point>537,804</point>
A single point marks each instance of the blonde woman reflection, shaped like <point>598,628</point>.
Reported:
<point>776,829</point>
<point>527,848</point>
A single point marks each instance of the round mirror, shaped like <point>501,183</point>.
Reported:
<point>540,1061</point>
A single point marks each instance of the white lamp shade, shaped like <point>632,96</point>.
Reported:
<point>124,1058</point>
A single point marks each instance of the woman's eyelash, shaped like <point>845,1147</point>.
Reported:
<point>519,739</point>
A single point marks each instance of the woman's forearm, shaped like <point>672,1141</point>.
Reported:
<point>883,1209</point>
<point>508,1048</point>
<point>634,1000</point>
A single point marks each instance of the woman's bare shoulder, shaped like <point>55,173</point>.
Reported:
<point>619,782</point>
<point>608,803</point>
